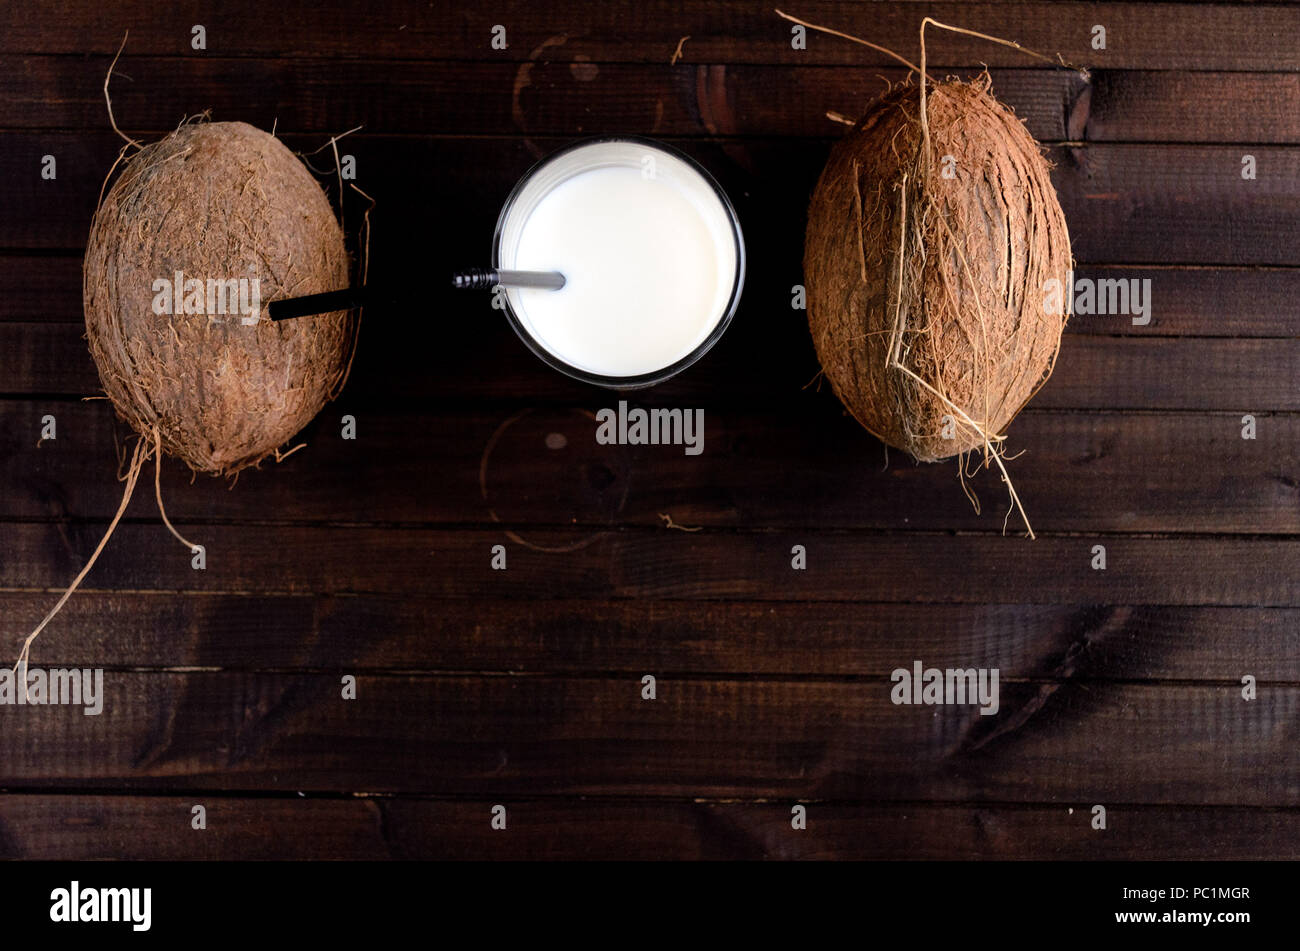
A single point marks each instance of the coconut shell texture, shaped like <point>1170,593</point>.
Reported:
<point>219,200</point>
<point>945,276</point>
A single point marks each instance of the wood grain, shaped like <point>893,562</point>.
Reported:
<point>81,827</point>
<point>536,98</point>
<point>736,639</point>
<point>659,563</point>
<point>758,738</point>
<point>544,96</point>
<point>1189,36</point>
<point>1118,464</point>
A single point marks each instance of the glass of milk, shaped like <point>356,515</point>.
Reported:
<point>651,251</point>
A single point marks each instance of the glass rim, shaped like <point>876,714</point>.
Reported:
<point>652,377</point>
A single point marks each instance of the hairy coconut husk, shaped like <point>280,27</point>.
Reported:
<point>218,200</point>
<point>926,293</point>
<point>221,201</point>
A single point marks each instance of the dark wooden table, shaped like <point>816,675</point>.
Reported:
<point>523,687</point>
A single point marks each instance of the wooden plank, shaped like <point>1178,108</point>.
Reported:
<point>550,97</point>
<point>1056,742</point>
<point>1186,301</point>
<point>1208,302</point>
<point>828,640</point>
<point>1139,35</point>
<point>1162,204</point>
<point>584,563</point>
<point>153,828</point>
<point>1124,106</point>
<point>1130,204</point>
<point>766,360</point>
<point>838,831</point>
<point>1103,471</point>
<point>1097,372</point>
<point>45,288</point>
<point>156,828</point>
<point>558,95</point>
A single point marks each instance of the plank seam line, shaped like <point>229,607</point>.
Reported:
<point>189,792</point>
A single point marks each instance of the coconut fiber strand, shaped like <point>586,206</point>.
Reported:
<point>927,270</point>
<point>219,200</point>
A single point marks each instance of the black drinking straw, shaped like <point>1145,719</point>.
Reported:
<point>348,298</point>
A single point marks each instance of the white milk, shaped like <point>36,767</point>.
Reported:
<point>649,252</point>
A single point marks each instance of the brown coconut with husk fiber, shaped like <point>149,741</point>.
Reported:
<point>215,200</point>
<point>932,235</point>
<point>212,201</point>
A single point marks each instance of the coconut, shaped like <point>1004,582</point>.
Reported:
<point>215,202</point>
<point>198,230</point>
<point>932,240</point>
